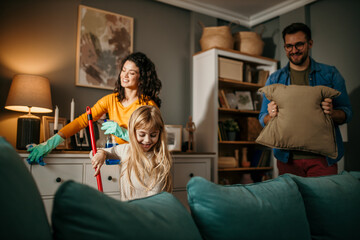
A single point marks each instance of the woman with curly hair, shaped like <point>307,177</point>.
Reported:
<point>137,85</point>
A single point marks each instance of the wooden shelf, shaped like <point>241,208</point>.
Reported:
<point>245,169</point>
<point>230,110</point>
<point>238,142</point>
<point>238,53</point>
<point>223,82</point>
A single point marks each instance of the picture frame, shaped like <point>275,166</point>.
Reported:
<point>48,130</point>
<point>174,137</point>
<point>103,40</point>
<point>85,143</point>
<point>244,100</point>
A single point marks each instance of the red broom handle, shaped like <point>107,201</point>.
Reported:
<point>93,145</point>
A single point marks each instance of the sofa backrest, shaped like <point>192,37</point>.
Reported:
<point>22,211</point>
<point>287,207</point>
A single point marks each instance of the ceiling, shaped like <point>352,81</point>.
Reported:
<point>245,12</point>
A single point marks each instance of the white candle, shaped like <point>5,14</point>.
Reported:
<point>72,110</point>
<point>56,120</point>
<point>82,133</point>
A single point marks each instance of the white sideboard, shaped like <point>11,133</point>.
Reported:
<point>63,166</point>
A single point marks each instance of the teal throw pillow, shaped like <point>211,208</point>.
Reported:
<point>332,205</point>
<point>272,209</point>
<point>22,210</point>
<point>81,212</point>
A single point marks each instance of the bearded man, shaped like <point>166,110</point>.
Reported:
<point>303,70</point>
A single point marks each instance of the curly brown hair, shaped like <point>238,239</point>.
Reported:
<point>149,84</point>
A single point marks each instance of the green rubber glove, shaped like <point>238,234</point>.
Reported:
<point>111,127</point>
<point>39,151</point>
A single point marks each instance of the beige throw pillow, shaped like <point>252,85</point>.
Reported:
<point>301,123</point>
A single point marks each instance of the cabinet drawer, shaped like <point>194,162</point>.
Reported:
<point>109,177</point>
<point>183,171</point>
<point>48,204</point>
<point>49,177</point>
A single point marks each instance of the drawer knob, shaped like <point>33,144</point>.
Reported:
<point>58,179</point>
<point>109,178</point>
<point>191,175</point>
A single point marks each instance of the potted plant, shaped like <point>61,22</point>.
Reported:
<point>231,127</point>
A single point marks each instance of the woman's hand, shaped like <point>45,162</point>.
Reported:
<point>98,160</point>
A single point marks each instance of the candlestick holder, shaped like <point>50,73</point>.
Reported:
<point>81,143</point>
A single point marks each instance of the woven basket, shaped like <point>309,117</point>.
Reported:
<point>249,42</point>
<point>220,37</point>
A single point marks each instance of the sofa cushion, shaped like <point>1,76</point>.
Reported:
<point>81,212</point>
<point>272,209</point>
<point>301,123</point>
<point>22,211</point>
<point>355,174</point>
<point>332,205</point>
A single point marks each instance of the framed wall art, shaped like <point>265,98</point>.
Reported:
<point>103,40</point>
<point>244,100</point>
<point>174,137</point>
<point>48,130</point>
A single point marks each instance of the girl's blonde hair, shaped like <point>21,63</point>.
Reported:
<point>159,166</point>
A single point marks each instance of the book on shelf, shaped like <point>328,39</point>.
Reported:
<point>250,128</point>
<point>247,73</point>
<point>251,74</point>
<point>254,75</point>
<point>260,158</point>
<point>265,158</point>
<point>219,134</point>
<point>262,77</point>
<point>257,98</point>
<point>255,157</point>
<point>222,98</point>
<point>223,134</point>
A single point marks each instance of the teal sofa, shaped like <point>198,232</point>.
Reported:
<point>287,207</point>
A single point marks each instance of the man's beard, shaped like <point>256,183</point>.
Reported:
<point>301,60</point>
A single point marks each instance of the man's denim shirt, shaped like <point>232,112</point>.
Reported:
<point>320,74</point>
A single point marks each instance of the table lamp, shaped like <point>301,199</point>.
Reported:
<point>29,93</point>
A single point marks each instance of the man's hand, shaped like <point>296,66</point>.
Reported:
<point>327,106</point>
<point>337,115</point>
<point>273,112</point>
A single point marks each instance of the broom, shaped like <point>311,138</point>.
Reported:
<point>93,145</point>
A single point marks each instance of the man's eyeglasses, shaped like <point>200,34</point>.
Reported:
<point>298,46</point>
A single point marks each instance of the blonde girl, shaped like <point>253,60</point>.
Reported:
<point>145,162</point>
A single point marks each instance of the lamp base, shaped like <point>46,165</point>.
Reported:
<point>28,131</point>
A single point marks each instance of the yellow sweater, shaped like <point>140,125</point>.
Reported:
<point>108,104</point>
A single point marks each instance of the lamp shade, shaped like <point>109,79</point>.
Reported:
<point>29,91</point>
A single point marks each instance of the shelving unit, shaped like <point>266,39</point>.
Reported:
<point>207,112</point>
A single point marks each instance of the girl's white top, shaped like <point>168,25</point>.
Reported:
<point>121,152</point>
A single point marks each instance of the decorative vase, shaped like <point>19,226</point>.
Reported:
<point>231,136</point>
<point>244,161</point>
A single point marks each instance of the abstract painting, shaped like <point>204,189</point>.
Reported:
<point>103,40</point>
